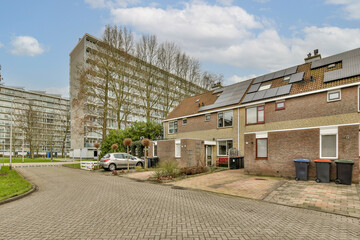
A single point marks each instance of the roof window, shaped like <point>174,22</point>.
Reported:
<point>287,78</point>
<point>264,87</point>
<point>331,65</point>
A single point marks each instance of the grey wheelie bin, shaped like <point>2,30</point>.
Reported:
<point>301,166</point>
<point>344,171</point>
<point>323,167</point>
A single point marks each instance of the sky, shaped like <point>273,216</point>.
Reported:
<point>239,39</point>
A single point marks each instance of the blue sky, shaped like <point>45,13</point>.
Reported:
<point>239,39</point>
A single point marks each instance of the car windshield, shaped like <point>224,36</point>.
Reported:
<point>107,156</point>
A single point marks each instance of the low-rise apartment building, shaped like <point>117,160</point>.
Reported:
<point>306,111</point>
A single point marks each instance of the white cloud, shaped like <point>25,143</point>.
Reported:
<point>111,3</point>
<point>230,35</point>
<point>351,7</point>
<point>1,45</point>
<point>261,1</point>
<point>64,91</point>
<point>236,78</point>
<point>26,46</point>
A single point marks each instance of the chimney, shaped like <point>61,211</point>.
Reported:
<point>216,85</point>
<point>310,58</point>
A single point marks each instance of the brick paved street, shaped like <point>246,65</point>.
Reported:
<point>74,204</point>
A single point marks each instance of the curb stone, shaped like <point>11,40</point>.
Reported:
<point>17,197</point>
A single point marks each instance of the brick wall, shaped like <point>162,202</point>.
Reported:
<point>314,105</point>
<point>192,152</point>
<point>285,146</point>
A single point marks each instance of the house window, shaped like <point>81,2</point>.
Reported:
<point>261,148</point>
<point>173,128</point>
<point>265,86</point>
<point>280,105</point>
<point>328,143</point>
<point>334,96</point>
<point>184,121</point>
<point>154,149</point>
<point>207,117</point>
<point>177,148</point>
<point>224,146</point>
<point>255,115</point>
<point>225,119</point>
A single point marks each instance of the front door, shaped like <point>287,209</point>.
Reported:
<point>208,155</point>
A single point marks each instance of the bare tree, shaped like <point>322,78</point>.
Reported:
<point>146,51</point>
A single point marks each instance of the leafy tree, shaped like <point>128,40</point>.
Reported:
<point>150,130</point>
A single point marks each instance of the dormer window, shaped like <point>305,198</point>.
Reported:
<point>264,87</point>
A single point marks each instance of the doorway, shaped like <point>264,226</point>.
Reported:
<point>208,155</point>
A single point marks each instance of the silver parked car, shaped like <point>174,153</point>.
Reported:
<point>112,161</point>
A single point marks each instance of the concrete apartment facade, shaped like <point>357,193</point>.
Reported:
<point>315,116</point>
<point>49,117</point>
<point>84,109</point>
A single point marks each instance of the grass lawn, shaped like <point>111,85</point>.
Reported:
<point>74,165</point>
<point>26,160</point>
<point>12,183</point>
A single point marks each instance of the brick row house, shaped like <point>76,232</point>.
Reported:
<point>307,111</point>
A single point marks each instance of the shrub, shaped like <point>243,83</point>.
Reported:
<point>139,169</point>
<point>194,170</point>
<point>167,170</point>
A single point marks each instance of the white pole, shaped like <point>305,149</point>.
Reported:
<point>23,148</point>
<point>11,126</point>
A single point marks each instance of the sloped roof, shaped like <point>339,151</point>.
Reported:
<point>302,78</point>
<point>191,105</point>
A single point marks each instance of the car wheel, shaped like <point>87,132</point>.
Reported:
<point>139,164</point>
<point>112,167</point>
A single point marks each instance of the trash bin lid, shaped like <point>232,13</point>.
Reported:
<point>345,161</point>
<point>323,160</point>
<point>301,160</point>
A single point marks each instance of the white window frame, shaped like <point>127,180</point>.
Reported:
<point>329,131</point>
<point>178,142</point>
<point>174,127</point>
<point>183,121</point>
<point>223,113</point>
<point>209,117</point>
<point>333,100</point>
<point>154,144</point>
<point>217,146</point>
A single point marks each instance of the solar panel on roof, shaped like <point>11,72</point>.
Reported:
<point>259,95</point>
<point>230,95</point>
<point>284,90</point>
<point>335,58</point>
<point>279,74</point>
<point>350,68</point>
<point>259,79</point>
<point>297,77</point>
<point>291,70</point>
<point>254,87</point>
<point>271,92</point>
<point>248,97</point>
<point>268,77</point>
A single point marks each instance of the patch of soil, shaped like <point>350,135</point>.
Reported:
<point>4,174</point>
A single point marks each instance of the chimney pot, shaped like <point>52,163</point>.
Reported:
<point>316,52</point>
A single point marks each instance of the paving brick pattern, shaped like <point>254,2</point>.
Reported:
<point>233,182</point>
<point>329,197</point>
<point>74,204</point>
